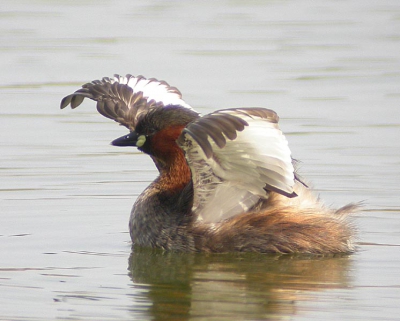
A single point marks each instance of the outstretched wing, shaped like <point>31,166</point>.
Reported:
<point>124,99</point>
<point>236,157</point>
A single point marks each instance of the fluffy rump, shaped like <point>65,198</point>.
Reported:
<point>283,225</point>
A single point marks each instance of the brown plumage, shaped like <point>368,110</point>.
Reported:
<point>227,181</point>
<point>281,228</point>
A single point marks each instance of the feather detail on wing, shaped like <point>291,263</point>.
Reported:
<point>237,156</point>
<point>124,99</point>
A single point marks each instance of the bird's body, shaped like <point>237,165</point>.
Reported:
<point>227,181</point>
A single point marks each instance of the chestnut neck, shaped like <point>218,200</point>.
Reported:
<point>175,173</point>
<point>170,160</point>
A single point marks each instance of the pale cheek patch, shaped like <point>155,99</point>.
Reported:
<point>141,140</point>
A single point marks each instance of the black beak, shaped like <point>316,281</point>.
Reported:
<point>126,140</point>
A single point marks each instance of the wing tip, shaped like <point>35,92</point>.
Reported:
<point>65,101</point>
<point>288,194</point>
<point>74,100</point>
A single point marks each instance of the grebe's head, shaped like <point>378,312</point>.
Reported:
<point>156,132</point>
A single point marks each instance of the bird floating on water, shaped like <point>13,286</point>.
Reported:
<point>227,181</point>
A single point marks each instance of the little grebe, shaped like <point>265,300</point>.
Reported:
<point>227,181</point>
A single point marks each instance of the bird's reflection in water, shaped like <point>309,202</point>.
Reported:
<point>182,286</point>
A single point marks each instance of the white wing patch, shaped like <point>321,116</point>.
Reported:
<point>153,89</point>
<point>230,177</point>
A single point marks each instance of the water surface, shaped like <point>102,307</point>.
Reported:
<point>330,69</point>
